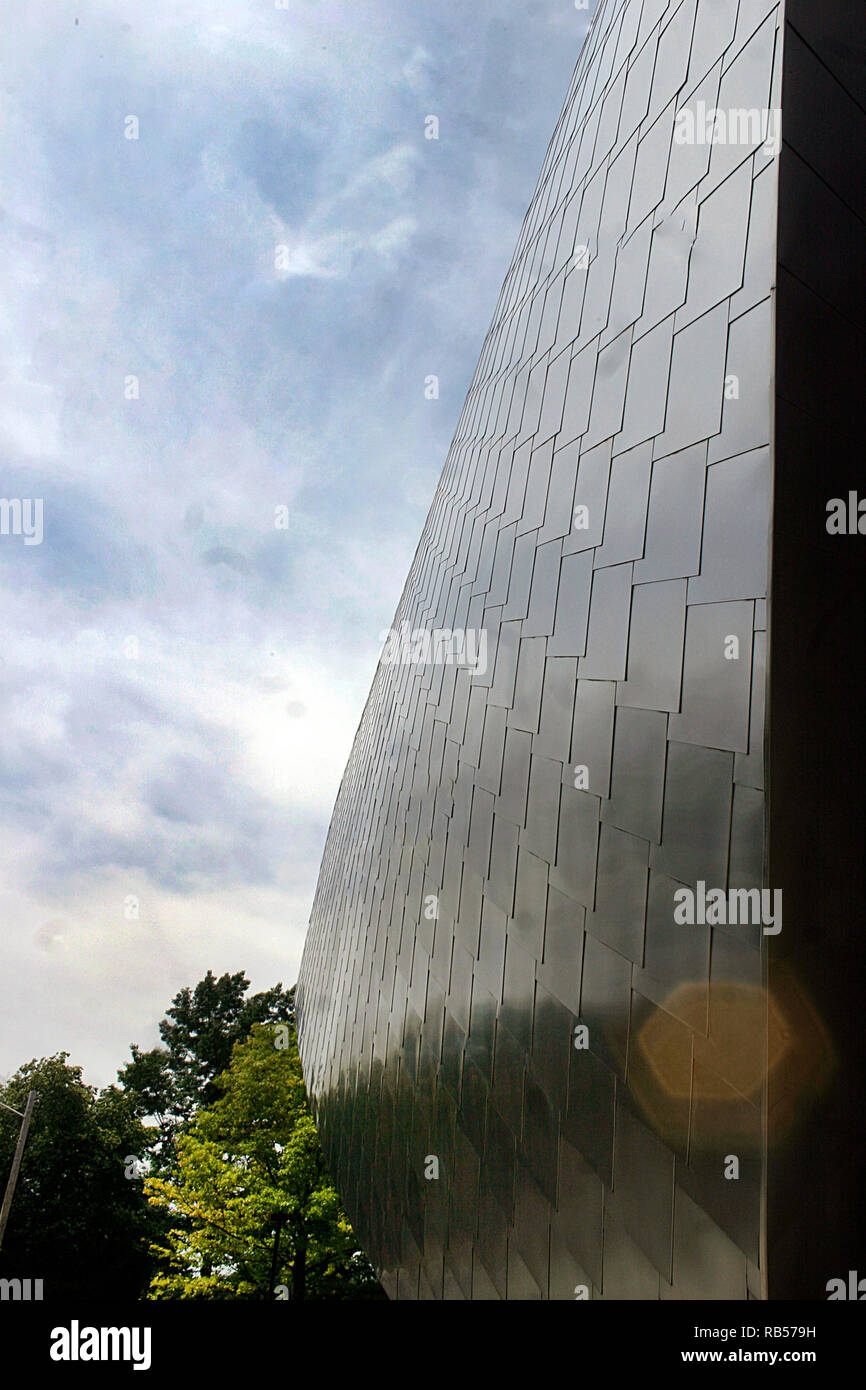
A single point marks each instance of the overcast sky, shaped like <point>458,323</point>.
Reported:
<point>231,314</point>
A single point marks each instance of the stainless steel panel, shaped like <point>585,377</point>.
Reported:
<point>643,1187</point>
<point>621,888</point>
<point>530,899</point>
<point>629,1276</point>
<point>503,857</point>
<point>590,500</point>
<point>638,774</point>
<point>608,397</point>
<point>655,647</point>
<point>697,383</point>
<point>736,526</point>
<point>626,512</point>
<point>707,1264</point>
<point>589,1121</point>
<point>542,817</point>
<point>607,641</point>
<point>646,401</point>
<point>697,815</point>
<point>572,605</point>
<point>747,408</point>
<point>592,742</point>
<point>605,1000</point>
<point>563,948</point>
<point>676,503</point>
<point>557,708</point>
<point>576,854</point>
<point>717,677</point>
<point>718,255</point>
<point>526,710</point>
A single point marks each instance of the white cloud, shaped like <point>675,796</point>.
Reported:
<point>395,237</point>
<point>198,774</point>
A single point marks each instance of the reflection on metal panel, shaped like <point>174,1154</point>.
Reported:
<point>495,977</point>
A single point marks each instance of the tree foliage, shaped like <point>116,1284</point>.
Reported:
<point>199,1031</point>
<point>200,1176</point>
<point>255,1214</point>
<point>77,1221</point>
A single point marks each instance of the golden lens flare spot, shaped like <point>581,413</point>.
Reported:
<point>757,1038</point>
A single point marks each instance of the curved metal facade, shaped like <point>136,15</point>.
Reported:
<point>533,1078</point>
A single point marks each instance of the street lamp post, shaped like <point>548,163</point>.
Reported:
<point>16,1161</point>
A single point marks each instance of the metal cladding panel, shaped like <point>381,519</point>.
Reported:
<point>816,1217</point>
<point>531,1080</point>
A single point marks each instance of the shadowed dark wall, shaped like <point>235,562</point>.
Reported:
<point>815,1209</point>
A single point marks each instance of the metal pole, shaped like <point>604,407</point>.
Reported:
<point>16,1163</point>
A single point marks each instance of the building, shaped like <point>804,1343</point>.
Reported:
<point>578,1005</point>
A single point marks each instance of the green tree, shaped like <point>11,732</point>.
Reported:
<point>149,1084</point>
<point>79,1219</point>
<point>254,1213</point>
<point>201,1027</point>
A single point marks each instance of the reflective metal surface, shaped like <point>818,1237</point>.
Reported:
<point>529,1077</point>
